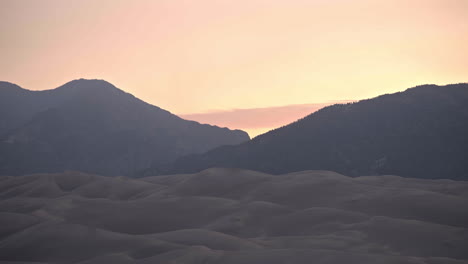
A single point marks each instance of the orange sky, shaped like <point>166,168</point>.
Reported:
<point>258,120</point>
<point>195,56</point>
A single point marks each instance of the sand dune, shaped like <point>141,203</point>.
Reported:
<point>232,216</point>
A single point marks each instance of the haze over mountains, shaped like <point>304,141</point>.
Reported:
<point>231,216</point>
<point>92,126</point>
<point>421,132</point>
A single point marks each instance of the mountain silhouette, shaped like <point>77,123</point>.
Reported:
<point>92,126</point>
<point>421,132</point>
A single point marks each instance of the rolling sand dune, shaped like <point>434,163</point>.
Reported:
<point>232,216</point>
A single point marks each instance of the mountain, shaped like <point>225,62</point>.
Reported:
<point>421,132</point>
<point>232,216</point>
<point>92,126</point>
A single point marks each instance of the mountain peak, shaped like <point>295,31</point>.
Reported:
<point>90,125</point>
<point>88,84</point>
<point>10,86</point>
<point>90,81</point>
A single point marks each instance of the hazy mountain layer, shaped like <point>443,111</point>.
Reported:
<point>421,133</point>
<point>233,216</point>
<point>90,125</point>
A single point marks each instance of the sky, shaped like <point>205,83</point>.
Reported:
<point>259,120</point>
<point>228,62</point>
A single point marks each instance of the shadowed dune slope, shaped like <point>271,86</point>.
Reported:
<point>232,216</point>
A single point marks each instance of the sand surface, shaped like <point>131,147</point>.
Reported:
<point>232,216</point>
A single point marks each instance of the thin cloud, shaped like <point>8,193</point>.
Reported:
<point>256,118</point>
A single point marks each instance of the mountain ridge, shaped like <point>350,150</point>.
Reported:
<point>381,135</point>
<point>42,126</point>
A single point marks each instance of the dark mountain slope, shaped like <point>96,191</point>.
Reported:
<point>92,126</point>
<point>422,132</point>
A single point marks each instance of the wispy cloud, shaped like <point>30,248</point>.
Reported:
<point>258,120</point>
